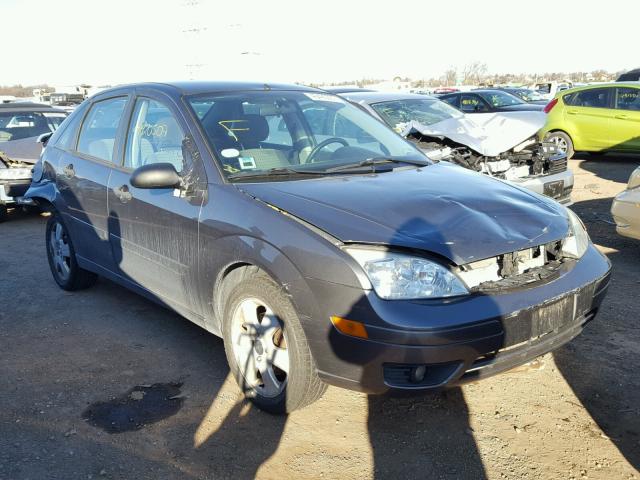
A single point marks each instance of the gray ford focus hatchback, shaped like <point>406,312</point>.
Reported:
<point>319,244</point>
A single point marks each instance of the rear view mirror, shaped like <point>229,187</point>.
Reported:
<point>156,175</point>
<point>44,138</point>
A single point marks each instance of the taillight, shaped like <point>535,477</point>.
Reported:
<point>550,105</point>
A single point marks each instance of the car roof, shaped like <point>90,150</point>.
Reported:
<point>338,90</point>
<point>377,97</point>
<point>193,87</point>
<point>635,84</point>
<point>28,107</point>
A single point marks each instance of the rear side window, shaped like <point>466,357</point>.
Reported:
<point>155,136</point>
<point>98,132</point>
<point>67,138</point>
<point>628,98</point>
<point>472,103</point>
<point>593,98</point>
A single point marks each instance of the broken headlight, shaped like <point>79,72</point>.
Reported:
<point>15,173</point>
<point>576,243</point>
<point>398,276</point>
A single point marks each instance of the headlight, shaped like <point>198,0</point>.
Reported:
<point>578,240</point>
<point>15,173</point>
<point>398,276</point>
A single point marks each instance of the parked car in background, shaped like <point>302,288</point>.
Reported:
<point>595,118</point>
<point>630,76</point>
<point>548,90</point>
<point>499,145</point>
<point>21,125</point>
<point>526,94</point>
<point>488,101</point>
<point>345,257</point>
<point>626,208</point>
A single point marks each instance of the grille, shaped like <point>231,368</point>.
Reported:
<point>557,165</point>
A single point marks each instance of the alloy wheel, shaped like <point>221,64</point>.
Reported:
<point>260,348</point>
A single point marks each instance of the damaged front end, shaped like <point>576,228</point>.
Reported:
<point>15,178</point>
<point>528,159</point>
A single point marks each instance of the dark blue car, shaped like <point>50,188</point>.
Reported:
<point>321,246</point>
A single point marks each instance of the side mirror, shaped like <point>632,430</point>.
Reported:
<point>156,175</point>
<point>44,138</point>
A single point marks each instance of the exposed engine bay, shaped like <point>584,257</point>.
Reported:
<point>515,269</point>
<point>502,145</point>
<point>528,159</point>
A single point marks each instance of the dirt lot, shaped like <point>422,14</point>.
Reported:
<point>573,414</point>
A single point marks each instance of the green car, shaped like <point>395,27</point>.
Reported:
<point>595,118</point>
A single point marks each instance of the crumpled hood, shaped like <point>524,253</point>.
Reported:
<point>445,209</point>
<point>489,134</point>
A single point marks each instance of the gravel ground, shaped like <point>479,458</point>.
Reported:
<point>67,358</point>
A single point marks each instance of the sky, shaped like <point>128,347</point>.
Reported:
<point>65,42</point>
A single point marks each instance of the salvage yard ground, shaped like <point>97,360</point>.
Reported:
<point>74,367</point>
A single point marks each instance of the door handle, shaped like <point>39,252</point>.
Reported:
<point>622,116</point>
<point>69,171</point>
<point>123,193</point>
<point>572,112</point>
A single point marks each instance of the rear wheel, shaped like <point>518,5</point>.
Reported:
<point>62,258</point>
<point>562,141</point>
<point>266,347</point>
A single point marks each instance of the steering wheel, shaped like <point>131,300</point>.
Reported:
<point>323,144</point>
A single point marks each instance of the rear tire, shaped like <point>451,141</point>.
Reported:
<point>262,333</point>
<point>562,141</point>
<point>3,213</point>
<point>62,258</point>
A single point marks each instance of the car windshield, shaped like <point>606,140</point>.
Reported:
<point>500,99</point>
<point>19,125</point>
<point>528,95</point>
<point>295,132</point>
<point>425,111</point>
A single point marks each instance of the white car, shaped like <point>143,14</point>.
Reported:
<point>502,145</point>
<point>626,208</point>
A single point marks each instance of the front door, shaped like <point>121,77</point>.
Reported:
<point>625,125</point>
<point>154,232</point>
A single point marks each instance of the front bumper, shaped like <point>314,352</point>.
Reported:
<point>456,341</point>
<point>626,213</point>
<point>13,190</point>
<point>557,186</point>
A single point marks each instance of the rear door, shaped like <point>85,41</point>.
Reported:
<point>83,175</point>
<point>154,233</point>
<point>625,125</point>
<point>588,114</point>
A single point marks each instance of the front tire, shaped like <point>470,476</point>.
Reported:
<point>62,258</point>
<point>562,141</point>
<point>3,213</point>
<point>267,349</point>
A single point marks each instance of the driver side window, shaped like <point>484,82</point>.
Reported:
<point>155,136</point>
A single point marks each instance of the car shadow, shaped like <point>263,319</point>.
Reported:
<point>607,385</point>
<point>422,434</point>
<point>616,167</point>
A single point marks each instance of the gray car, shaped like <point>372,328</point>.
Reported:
<point>503,145</point>
<point>338,255</point>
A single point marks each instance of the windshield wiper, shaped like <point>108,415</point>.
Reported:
<point>372,162</point>
<point>274,172</point>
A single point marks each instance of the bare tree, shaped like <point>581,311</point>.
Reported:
<point>474,73</point>
<point>450,77</point>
